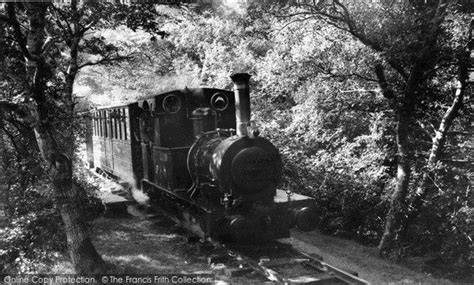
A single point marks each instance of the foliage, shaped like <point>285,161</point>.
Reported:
<point>448,217</point>
<point>31,240</point>
<point>91,205</point>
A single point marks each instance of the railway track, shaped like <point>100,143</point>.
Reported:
<point>274,262</point>
<point>281,263</point>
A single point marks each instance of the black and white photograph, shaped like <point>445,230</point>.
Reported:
<point>236,142</point>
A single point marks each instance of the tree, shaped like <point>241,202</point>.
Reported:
<point>51,44</point>
<point>414,47</point>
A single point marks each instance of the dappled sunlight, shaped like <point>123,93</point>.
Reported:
<point>140,262</point>
<point>129,258</point>
<point>137,245</point>
<point>117,235</point>
<point>124,35</point>
<point>163,237</point>
<point>157,261</point>
<point>63,267</point>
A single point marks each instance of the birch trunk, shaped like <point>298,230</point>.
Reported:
<point>425,189</point>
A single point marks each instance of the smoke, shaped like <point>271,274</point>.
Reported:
<point>236,6</point>
<point>140,196</point>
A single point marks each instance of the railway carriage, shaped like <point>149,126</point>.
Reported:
<point>196,154</point>
<point>115,142</point>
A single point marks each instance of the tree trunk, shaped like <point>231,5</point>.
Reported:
<point>83,254</point>
<point>395,217</point>
<point>58,154</point>
<point>425,188</point>
<point>397,202</point>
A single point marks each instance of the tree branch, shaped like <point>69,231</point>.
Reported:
<point>86,27</point>
<point>20,38</point>
<point>5,19</point>
<point>65,19</point>
<point>345,23</point>
<point>458,161</point>
<point>460,133</point>
<point>105,59</point>
<point>12,138</point>
<point>423,127</point>
<point>9,106</point>
<point>386,90</point>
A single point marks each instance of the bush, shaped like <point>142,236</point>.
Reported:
<point>35,238</point>
<point>445,227</point>
<point>32,241</point>
<point>91,205</point>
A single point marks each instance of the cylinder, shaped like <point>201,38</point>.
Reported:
<point>242,102</point>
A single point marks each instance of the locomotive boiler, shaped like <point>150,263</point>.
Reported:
<point>197,155</point>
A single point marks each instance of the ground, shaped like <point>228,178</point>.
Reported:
<point>141,244</point>
<point>353,257</point>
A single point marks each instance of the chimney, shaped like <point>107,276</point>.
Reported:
<point>242,102</point>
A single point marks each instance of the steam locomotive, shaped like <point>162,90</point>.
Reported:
<point>196,154</point>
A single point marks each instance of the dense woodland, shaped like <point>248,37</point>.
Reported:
<point>369,105</point>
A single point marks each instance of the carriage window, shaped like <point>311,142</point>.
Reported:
<point>126,124</point>
<point>111,124</point>
<point>99,128</point>
<point>122,119</point>
<point>96,117</point>
<point>115,124</point>
<point>119,124</point>
<point>93,124</point>
<point>105,125</point>
<point>110,130</point>
<point>100,123</point>
<point>112,120</point>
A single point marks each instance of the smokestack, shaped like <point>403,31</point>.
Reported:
<point>242,102</point>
